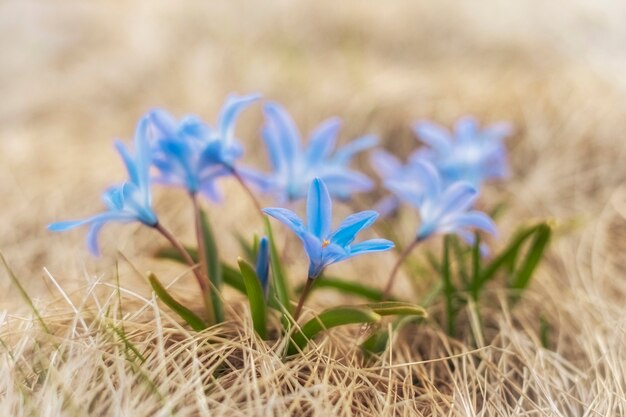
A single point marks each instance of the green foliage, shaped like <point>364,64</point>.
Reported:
<point>337,316</point>
<point>183,312</point>
<point>280,287</point>
<point>214,268</point>
<point>256,298</point>
<point>346,287</point>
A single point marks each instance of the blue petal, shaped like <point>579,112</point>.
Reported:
<point>342,183</point>
<point>457,198</point>
<point>282,126</point>
<point>257,179</point>
<point>101,217</point>
<point>271,137</point>
<point>318,209</point>
<point>428,176</point>
<point>352,225</point>
<point>263,263</point>
<point>128,160</point>
<point>143,156</point>
<point>385,164</point>
<point>92,238</point>
<point>313,249</point>
<point>287,217</point>
<point>345,153</point>
<point>472,219</point>
<point>322,141</point>
<point>433,135</point>
<point>163,122</point>
<point>193,127</point>
<point>234,105</point>
<point>466,129</point>
<point>372,245</point>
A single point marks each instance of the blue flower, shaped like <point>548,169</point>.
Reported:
<point>322,246</point>
<point>468,153</point>
<point>263,264</point>
<point>128,202</point>
<point>294,167</point>
<point>192,154</point>
<point>443,210</point>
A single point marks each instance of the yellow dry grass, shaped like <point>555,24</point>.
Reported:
<point>76,75</point>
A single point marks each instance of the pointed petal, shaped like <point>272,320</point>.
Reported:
<point>163,123</point>
<point>233,107</point>
<point>472,219</point>
<point>263,263</point>
<point>385,164</point>
<point>92,238</point>
<point>466,129</point>
<point>342,183</point>
<point>283,127</point>
<point>271,137</point>
<point>323,140</point>
<point>143,155</point>
<point>258,179</point>
<point>345,153</point>
<point>433,135</point>
<point>287,217</point>
<point>352,225</point>
<point>372,245</point>
<point>98,218</point>
<point>128,160</point>
<point>457,198</point>
<point>318,209</point>
<point>313,249</point>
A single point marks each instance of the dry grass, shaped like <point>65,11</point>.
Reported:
<point>76,75</point>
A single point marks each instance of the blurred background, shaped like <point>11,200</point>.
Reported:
<point>76,75</point>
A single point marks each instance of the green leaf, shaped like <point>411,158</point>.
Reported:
<point>328,319</point>
<point>533,256</point>
<point>448,287</point>
<point>476,260</point>
<point>256,298</point>
<point>346,287</point>
<point>279,282</point>
<point>233,278</point>
<point>507,257</point>
<point>214,268</point>
<point>189,316</point>
<point>396,308</point>
<point>378,340</point>
<point>173,255</point>
<point>249,250</point>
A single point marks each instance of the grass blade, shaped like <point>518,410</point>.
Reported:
<point>328,319</point>
<point>280,285</point>
<point>183,312</point>
<point>214,267</point>
<point>346,287</point>
<point>256,298</point>
<point>233,278</point>
<point>396,308</point>
<point>24,294</point>
<point>173,255</point>
<point>448,286</point>
<point>533,256</point>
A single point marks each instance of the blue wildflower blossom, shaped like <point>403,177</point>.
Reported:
<point>443,210</point>
<point>322,246</point>
<point>469,153</point>
<point>263,264</point>
<point>294,167</point>
<point>128,202</point>
<point>191,154</point>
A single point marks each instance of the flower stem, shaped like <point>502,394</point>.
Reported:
<point>305,293</point>
<point>202,281</point>
<point>392,276</point>
<point>247,189</point>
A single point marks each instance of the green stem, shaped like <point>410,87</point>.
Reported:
<point>200,279</point>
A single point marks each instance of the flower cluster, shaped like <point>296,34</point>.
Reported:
<point>441,181</point>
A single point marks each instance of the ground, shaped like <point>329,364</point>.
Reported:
<point>77,75</point>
